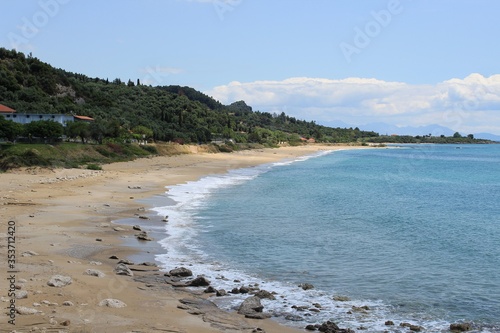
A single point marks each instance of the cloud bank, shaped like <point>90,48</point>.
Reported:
<point>468,105</point>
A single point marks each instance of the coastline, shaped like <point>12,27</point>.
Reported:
<point>68,219</point>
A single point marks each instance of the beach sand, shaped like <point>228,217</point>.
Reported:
<point>63,222</point>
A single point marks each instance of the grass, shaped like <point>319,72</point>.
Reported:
<point>67,155</point>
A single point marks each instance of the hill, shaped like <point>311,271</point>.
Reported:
<point>172,113</point>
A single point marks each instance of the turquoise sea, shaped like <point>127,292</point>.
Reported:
<point>412,232</point>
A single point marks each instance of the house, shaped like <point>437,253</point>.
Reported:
<point>6,109</point>
<point>26,118</point>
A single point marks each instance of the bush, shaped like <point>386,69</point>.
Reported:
<point>151,149</point>
<point>94,167</point>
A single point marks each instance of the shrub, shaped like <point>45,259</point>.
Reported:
<point>93,166</point>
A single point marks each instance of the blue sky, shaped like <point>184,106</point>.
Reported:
<point>402,62</point>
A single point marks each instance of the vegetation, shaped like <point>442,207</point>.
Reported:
<point>134,111</point>
<point>128,112</point>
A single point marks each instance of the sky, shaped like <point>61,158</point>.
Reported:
<point>400,62</point>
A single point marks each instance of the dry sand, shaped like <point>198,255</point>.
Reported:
<point>65,216</point>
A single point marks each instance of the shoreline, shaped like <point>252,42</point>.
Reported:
<point>70,221</point>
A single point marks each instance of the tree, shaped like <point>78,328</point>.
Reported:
<point>9,129</point>
<point>457,135</point>
<point>470,136</point>
<point>46,129</point>
<point>78,129</point>
<point>145,132</point>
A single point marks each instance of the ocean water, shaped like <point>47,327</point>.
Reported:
<point>412,232</point>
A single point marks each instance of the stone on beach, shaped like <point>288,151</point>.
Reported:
<point>143,236</point>
<point>252,308</point>
<point>112,303</point>
<point>22,310</point>
<point>199,281</point>
<point>460,327</point>
<point>181,272</point>
<point>265,294</point>
<point>122,269</point>
<point>306,286</point>
<point>94,272</point>
<point>29,254</point>
<point>21,294</point>
<point>59,281</point>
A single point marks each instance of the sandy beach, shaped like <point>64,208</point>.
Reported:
<point>62,221</point>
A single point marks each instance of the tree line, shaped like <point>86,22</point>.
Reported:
<point>167,113</point>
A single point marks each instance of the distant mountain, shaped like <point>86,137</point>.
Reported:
<point>487,136</point>
<point>434,129</point>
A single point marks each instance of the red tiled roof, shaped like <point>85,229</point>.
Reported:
<point>4,108</point>
<point>84,118</point>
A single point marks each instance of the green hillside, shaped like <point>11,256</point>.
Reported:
<point>173,113</point>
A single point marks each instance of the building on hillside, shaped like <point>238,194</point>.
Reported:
<point>26,118</point>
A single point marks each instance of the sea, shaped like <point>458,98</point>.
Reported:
<point>408,234</point>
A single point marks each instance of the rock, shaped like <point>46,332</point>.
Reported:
<point>21,294</point>
<point>29,254</point>
<point>59,281</point>
<point>136,227</point>
<point>235,291</point>
<point>389,323</point>
<point>112,303</point>
<point>136,187</point>
<point>66,323</point>
<point>306,286</point>
<point>119,229</point>
<point>98,239</point>
<point>311,328</point>
<point>416,328</point>
<point>181,272</point>
<point>94,272</point>
<point>331,327</point>
<point>113,257</point>
<point>122,269</point>
<point>265,294</point>
<point>125,261</point>
<point>460,327</point>
<point>199,281</point>
<point>210,290</point>
<point>95,263</point>
<point>143,217</point>
<point>244,290</point>
<point>252,308</point>
<point>68,303</point>
<point>22,310</point>
<point>220,293</point>
<point>150,264</point>
<point>143,236</point>
<point>341,298</point>
<point>362,309</point>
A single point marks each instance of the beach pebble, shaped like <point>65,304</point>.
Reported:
<point>22,310</point>
<point>95,263</point>
<point>119,229</point>
<point>221,293</point>
<point>68,303</point>
<point>126,262</point>
<point>143,217</point>
<point>66,323</point>
<point>94,272</point>
<point>21,294</point>
<point>143,236</point>
<point>152,264</point>
<point>112,303</point>
<point>59,281</point>
<point>137,227</point>
<point>29,254</point>
<point>113,257</point>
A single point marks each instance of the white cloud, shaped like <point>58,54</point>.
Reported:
<point>471,104</point>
